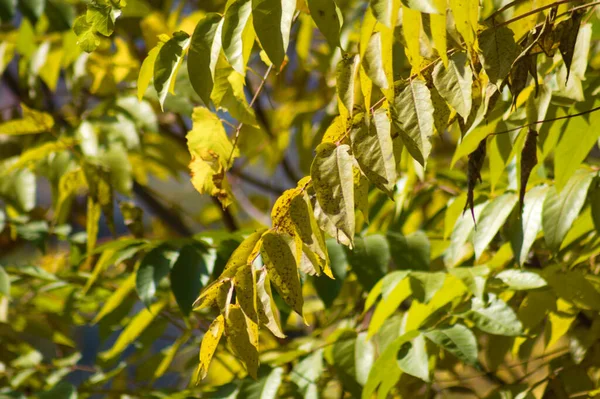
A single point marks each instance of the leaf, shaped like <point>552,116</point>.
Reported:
<point>265,388</point>
<point>4,283</point>
<point>528,162</point>
<point>147,68</point>
<point>456,339</point>
<point>167,64</point>
<point>203,55</point>
<point>395,289</point>
<point>332,178</point>
<point>372,61</point>
<point>369,259</point>
<point>272,23</point>
<point>492,218</point>
<point>412,358</point>
<point>282,271</point>
<point>385,370</point>
<point>561,210</point>
<point>345,75</point>
<point>306,373</point>
<point>424,285</point>
<point>237,333</point>
<point>521,279</point>
<point>306,227</point>
<point>235,20</point>
<point>476,160</point>
<point>86,34</point>
<point>373,149</point>
<point>32,9</point>
<point>155,266</point>
<point>241,255</point>
<point>7,10</point>
<point>568,38</point>
<point>531,223</point>
<point>382,10</point>
<point>466,15</point>
<point>186,277</point>
<point>454,83</point>
<point>32,122</point>
<point>594,196</point>
<point>438,30</point>
<point>210,341</point>
<point>364,356</point>
<point>574,147</point>
<point>267,310</point>
<point>117,298</point>
<point>62,390</point>
<point>212,154</point>
<point>411,251</point>
<point>328,18</point>
<point>412,115</point>
<point>494,317</point>
<point>411,29</point>
<point>136,326</point>
<point>498,51</point>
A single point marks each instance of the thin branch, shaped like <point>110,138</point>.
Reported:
<point>239,126</point>
<point>589,111</point>
<point>504,8</point>
<point>537,10</point>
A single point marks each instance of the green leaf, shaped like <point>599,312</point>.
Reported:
<point>125,288</point>
<point>594,196</point>
<point>561,210</point>
<point>456,339</point>
<point>328,18</point>
<point>494,316</point>
<point>492,218</point>
<point>134,328</point>
<point>4,283</point>
<point>369,259</point>
<point>395,289</point>
<point>385,370</point>
<point>521,279</point>
<point>282,270</point>
<point>332,178</point>
<point>307,372</point>
<point>498,51</point>
<point>364,356</point>
<point>86,34</point>
<point>155,266</point>
<point>574,147</point>
<point>573,286</point>
<point>7,10</point>
<point>327,288</point>
<point>167,64</point>
<point>265,388</point>
<point>373,149</point>
<point>425,285</point>
<point>412,358</point>
<point>236,18</point>
<point>530,224</point>
<point>272,23</point>
<point>147,69</point>
<point>204,54</point>
<point>412,115</point>
<point>411,251</point>
<point>32,9</point>
<point>346,72</point>
<point>188,274</point>
<point>454,83</point>
<point>373,61</point>
<point>62,390</point>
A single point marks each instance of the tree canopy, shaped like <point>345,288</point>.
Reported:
<point>299,199</point>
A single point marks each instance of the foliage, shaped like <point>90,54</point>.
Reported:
<point>465,134</point>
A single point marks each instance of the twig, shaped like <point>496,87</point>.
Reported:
<point>535,11</point>
<point>589,111</point>
<point>239,126</point>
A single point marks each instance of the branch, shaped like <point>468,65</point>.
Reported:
<point>535,11</point>
<point>166,215</point>
<point>589,111</point>
<point>228,219</point>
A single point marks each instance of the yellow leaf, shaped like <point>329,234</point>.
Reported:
<point>136,326</point>
<point>33,122</point>
<point>210,341</point>
<point>94,211</point>
<point>242,339</point>
<point>280,214</point>
<point>411,28</point>
<point>466,15</point>
<point>336,130</point>
<point>117,298</point>
<point>438,30</point>
<point>245,293</point>
<point>559,321</point>
<point>241,256</point>
<point>307,229</point>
